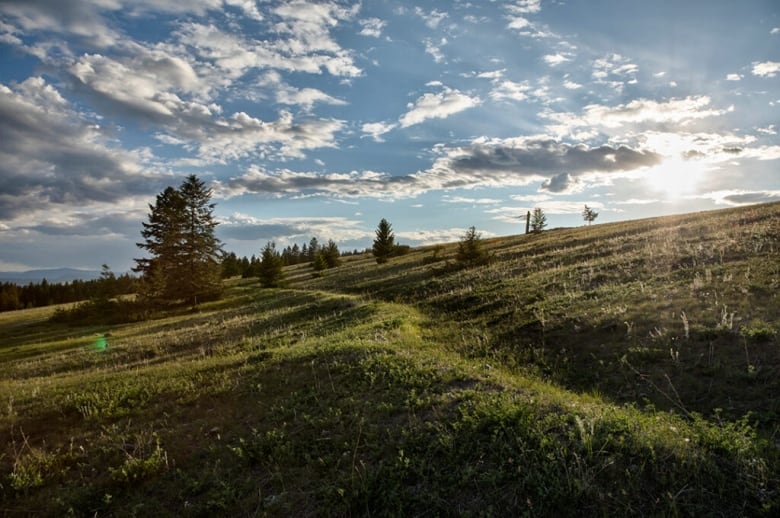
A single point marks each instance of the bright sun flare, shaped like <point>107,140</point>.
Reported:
<point>675,177</point>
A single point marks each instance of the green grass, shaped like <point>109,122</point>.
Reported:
<point>617,369</point>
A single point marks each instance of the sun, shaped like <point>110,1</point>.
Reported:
<point>675,177</point>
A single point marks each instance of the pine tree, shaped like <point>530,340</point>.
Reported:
<point>538,220</point>
<point>384,242</point>
<point>179,236</point>
<point>271,268</point>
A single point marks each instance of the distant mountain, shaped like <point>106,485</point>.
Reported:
<point>52,275</point>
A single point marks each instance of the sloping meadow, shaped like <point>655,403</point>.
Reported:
<point>561,378</point>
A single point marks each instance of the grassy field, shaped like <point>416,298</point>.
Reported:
<point>626,368</point>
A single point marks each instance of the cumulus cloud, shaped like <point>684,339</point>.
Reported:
<point>90,19</point>
<point>766,68</point>
<point>51,155</point>
<point>733,77</point>
<point>135,89</point>
<point>437,106</point>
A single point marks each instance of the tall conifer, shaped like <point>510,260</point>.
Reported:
<point>179,237</point>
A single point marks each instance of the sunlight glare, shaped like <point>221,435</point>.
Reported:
<point>675,177</point>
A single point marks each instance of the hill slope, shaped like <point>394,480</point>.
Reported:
<point>601,370</point>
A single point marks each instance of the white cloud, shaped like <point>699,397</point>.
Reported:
<point>376,129</point>
<point>533,198</point>
<point>733,77</point>
<point>437,106</point>
<point>571,85</point>
<point>372,27</point>
<point>639,112</point>
<point>766,68</point>
<point>303,43</point>
<point>525,6</point>
<point>290,95</point>
<point>510,90</point>
<point>615,71</point>
<point>435,236</point>
<point>434,49</point>
<point>470,201</point>
<point>556,59</point>
<point>286,231</point>
<point>775,30</point>
<point>433,18</point>
<point>492,74</point>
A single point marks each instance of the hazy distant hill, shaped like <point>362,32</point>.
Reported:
<point>53,275</point>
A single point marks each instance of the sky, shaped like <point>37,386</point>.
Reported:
<point>321,118</point>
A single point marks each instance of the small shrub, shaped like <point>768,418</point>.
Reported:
<point>757,331</point>
<point>470,249</point>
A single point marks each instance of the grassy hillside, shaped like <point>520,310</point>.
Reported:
<point>615,369</point>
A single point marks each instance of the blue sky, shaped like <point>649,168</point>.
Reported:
<point>321,118</point>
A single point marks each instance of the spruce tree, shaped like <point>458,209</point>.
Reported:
<point>184,262</point>
<point>384,243</point>
<point>331,254</point>
<point>271,267</point>
<point>470,249</point>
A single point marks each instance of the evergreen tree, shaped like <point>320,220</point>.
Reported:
<point>384,242</point>
<point>270,269</point>
<point>538,220</point>
<point>320,264</point>
<point>314,247</point>
<point>179,236</point>
<point>331,254</point>
<point>470,249</point>
<point>107,285</point>
<point>589,215</point>
<point>231,267</point>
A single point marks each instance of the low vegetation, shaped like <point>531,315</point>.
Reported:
<point>615,369</point>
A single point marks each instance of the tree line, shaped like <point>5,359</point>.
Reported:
<point>45,293</point>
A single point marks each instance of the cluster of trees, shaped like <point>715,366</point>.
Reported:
<point>270,268</point>
<point>44,293</point>
<point>319,256</point>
